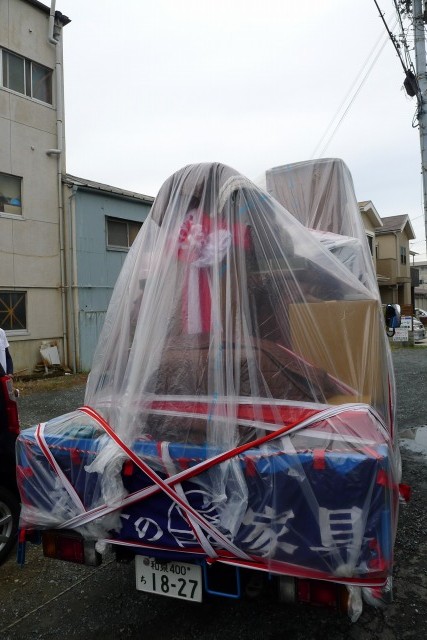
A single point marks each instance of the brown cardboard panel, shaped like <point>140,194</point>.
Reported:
<point>342,337</point>
<point>7,208</point>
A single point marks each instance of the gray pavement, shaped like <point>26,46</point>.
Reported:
<point>47,599</point>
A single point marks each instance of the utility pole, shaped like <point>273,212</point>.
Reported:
<point>420,66</point>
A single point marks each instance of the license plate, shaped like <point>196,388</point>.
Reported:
<point>174,579</point>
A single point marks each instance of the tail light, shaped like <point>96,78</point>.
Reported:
<point>323,594</point>
<point>315,592</point>
<point>71,547</point>
<point>6,388</point>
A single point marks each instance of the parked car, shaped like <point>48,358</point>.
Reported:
<point>421,314</point>
<point>419,330</point>
<point>9,495</point>
<point>415,325</point>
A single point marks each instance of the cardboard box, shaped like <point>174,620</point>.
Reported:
<point>343,337</point>
<point>8,208</point>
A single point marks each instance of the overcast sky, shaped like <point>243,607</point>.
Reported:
<point>151,86</point>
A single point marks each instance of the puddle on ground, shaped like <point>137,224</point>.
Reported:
<point>414,439</point>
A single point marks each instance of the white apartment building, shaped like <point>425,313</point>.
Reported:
<point>32,161</point>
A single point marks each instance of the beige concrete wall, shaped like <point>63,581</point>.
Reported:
<point>6,251</point>
<point>404,269</point>
<point>388,296</point>
<point>30,243</point>
<point>26,354</point>
<point>388,268</point>
<point>25,30</point>
<point>367,223</point>
<point>389,247</point>
<point>386,246</point>
<point>369,227</point>
<point>45,323</point>
<point>36,254</point>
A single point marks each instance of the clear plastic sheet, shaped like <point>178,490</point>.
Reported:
<point>320,194</point>
<point>242,380</point>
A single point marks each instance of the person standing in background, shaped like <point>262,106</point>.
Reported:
<point>5,357</point>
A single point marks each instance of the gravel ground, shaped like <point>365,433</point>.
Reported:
<point>47,599</point>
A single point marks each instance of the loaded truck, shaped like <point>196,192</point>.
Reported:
<point>238,429</point>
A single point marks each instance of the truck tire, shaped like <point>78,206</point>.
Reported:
<point>9,520</point>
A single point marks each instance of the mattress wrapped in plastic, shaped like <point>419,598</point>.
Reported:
<point>240,404</point>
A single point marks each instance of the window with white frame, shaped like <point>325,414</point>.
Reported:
<point>10,194</point>
<point>26,76</point>
<point>121,233</point>
<point>13,310</point>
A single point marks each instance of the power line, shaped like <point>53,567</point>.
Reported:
<point>404,39</point>
<point>411,83</point>
<point>347,95</point>
<point>362,82</point>
<point>391,36</point>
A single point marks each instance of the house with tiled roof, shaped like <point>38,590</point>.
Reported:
<point>393,262</point>
<point>103,222</point>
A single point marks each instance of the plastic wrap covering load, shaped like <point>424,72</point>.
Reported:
<point>320,194</point>
<point>239,404</point>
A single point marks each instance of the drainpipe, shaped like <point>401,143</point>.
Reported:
<point>54,38</point>
<point>397,264</point>
<point>73,299</point>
